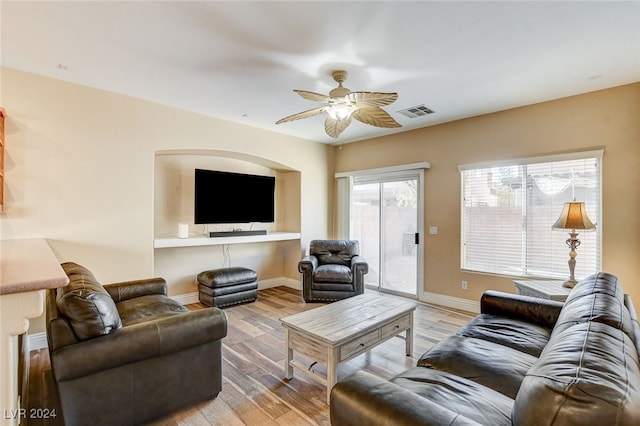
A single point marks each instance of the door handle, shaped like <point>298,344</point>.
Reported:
<point>416,238</point>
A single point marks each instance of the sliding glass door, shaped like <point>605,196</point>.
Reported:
<point>385,218</point>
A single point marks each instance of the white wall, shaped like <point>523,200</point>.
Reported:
<point>79,169</point>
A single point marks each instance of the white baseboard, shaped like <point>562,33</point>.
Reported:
<point>186,298</point>
<point>452,302</point>
<point>37,341</point>
<point>281,281</point>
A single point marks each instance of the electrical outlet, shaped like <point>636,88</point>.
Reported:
<point>464,285</point>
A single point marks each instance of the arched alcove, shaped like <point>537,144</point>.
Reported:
<point>173,204</point>
<point>174,188</point>
<point>276,165</point>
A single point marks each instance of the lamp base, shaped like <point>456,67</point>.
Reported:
<point>573,242</point>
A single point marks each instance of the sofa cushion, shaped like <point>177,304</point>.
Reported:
<point>86,304</point>
<point>366,399</point>
<point>597,298</point>
<point>148,308</point>
<point>601,282</point>
<point>523,336</point>
<point>493,365</point>
<point>333,274</point>
<point>460,395</point>
<point>337,252</point>
<point>588,374</point>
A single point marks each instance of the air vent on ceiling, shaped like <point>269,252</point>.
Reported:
<point>416,111</point>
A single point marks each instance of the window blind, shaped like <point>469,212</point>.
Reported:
<point>508,209</point>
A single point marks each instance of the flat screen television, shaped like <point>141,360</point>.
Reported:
<point>225,197</point>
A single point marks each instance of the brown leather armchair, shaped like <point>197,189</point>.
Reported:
<point>126,353</point>
<point>332,271</point>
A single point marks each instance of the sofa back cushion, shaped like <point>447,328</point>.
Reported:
<point>634,320</point>
<point>337,252</point>
<point>86,304</point>
<point>597,298</point>
<point>588,374</point>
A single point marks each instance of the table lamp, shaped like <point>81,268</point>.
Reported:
<point>573,217</point>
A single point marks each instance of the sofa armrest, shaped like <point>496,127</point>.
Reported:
<point>531,309</point>
<point>139,342</point>
<point>359,264</point>
<point>129,289</point>
<point>308,264</point>
<point>365,399</point>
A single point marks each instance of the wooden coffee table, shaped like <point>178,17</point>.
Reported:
<point>339,331</point>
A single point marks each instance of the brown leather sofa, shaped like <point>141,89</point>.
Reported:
<point>522,361</point>
<point>125,353</point>
<point>333,270</point>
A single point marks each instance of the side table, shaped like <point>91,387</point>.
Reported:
<point>545,289</point>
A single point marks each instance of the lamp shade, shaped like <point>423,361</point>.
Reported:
<point>574,216</point>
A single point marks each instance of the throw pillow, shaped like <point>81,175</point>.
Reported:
<point>86,304</point>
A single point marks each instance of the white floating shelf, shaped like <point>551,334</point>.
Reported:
<point>215,241</point>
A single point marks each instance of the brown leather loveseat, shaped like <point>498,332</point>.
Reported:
<point>522,361</point>
<point>125,353</point>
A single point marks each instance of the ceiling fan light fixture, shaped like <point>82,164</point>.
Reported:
<point>341,110</point>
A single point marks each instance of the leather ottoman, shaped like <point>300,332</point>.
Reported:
<point>227,286</point>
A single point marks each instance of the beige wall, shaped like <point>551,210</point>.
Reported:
<point>80,170</point>
<point>606,119</point>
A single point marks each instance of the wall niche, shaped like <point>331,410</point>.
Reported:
<point>173,204</point>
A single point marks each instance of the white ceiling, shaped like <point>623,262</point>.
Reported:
<point>239,61</point>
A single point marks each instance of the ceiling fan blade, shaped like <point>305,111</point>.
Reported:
<point>375,117</point>
<point>312,96</point>
<point>373,99</point>
<point>304,114</point>
<point>335,127</point>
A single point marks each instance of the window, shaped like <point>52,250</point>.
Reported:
<point>508,209</point>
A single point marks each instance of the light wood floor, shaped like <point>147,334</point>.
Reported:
<point>254,391</point>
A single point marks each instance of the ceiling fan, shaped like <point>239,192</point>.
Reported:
<point>343,104</point>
